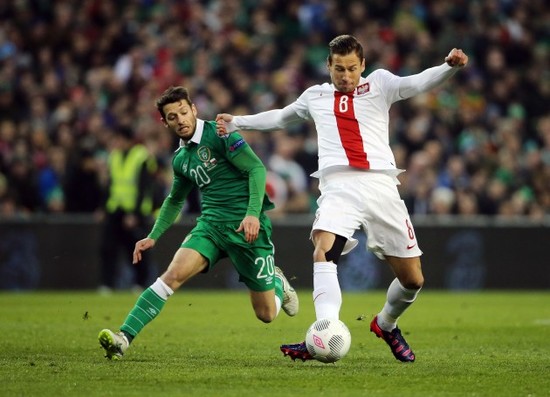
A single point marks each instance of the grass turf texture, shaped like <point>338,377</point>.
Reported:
<point>210,344</point>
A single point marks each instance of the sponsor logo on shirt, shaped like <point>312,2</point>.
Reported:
<point>236,145</point>
<point>363,89</point>
<point>210,163</point>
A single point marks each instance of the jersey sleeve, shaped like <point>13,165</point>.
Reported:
<point>272,120</point>
<point>387,83</point>
<point>301,105</point>
<point>397,88</point>
<point>244,159</point>
<point>424,81</point>
<point>171,206</point>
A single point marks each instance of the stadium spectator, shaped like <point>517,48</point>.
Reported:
<point>83,188</point>
<point>283,163</point>
<point>128,207</point>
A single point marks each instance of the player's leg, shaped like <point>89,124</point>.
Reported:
<point>266,304</point>
<point>336,220</point>
<point>391,237</point>
<point>327,294</point>
<point>269,289</point>
<point>185,264</point>
<point>402,292</point>
<point>338,216</point>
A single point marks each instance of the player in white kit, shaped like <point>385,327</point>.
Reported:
<point>358,178</point>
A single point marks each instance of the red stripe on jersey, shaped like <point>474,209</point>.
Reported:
<point>348,128</point>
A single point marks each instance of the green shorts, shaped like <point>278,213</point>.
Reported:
<point>255,262</point>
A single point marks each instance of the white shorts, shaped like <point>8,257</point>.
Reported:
<point>351,199</point>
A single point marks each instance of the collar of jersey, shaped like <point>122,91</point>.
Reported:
<point>197,136</point>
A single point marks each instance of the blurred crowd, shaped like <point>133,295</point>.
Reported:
<point>71,72</point>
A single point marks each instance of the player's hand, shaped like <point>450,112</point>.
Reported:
<point>251,227</point>
<point>224,124</point>
<point>142,245</point>
<point>456,58</point>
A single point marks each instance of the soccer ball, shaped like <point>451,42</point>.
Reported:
<point>328,340</point>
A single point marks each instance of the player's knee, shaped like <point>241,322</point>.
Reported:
<point>333,254</point>
<point>419,281</point>
<point>266,315</point>
<point>413,282</point>
<point>171,279</point>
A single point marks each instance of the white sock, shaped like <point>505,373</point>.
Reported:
<point>161,289</point>
<point>398,300</point>
<point>278,304</point>
<point>327,296</point>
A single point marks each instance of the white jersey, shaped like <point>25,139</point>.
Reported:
<point>352,128</point>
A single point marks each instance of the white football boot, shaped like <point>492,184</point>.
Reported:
<point>115,344</point>
<point>291,304</point>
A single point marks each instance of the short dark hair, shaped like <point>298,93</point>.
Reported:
<point>171,95</point>
<point>343,45</point>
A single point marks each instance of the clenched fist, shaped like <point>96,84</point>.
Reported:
<point>456,58</point>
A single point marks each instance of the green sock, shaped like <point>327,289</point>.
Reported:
<point>279,288</point>
<point>147,307</point>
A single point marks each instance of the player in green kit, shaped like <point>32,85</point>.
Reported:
<point>232,223</point>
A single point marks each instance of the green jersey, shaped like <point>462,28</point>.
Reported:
<point>230,176</point>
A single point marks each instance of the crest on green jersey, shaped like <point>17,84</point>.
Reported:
<point>204,154</point>
<point>206,157</point>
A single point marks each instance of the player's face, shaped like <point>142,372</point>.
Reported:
<point>345,71</point>
<point>181,118</point>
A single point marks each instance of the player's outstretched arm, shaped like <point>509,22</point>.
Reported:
<point>430,78</point>
<point>270,120</point>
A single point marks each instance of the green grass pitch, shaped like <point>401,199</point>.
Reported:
<point>208,343</point>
